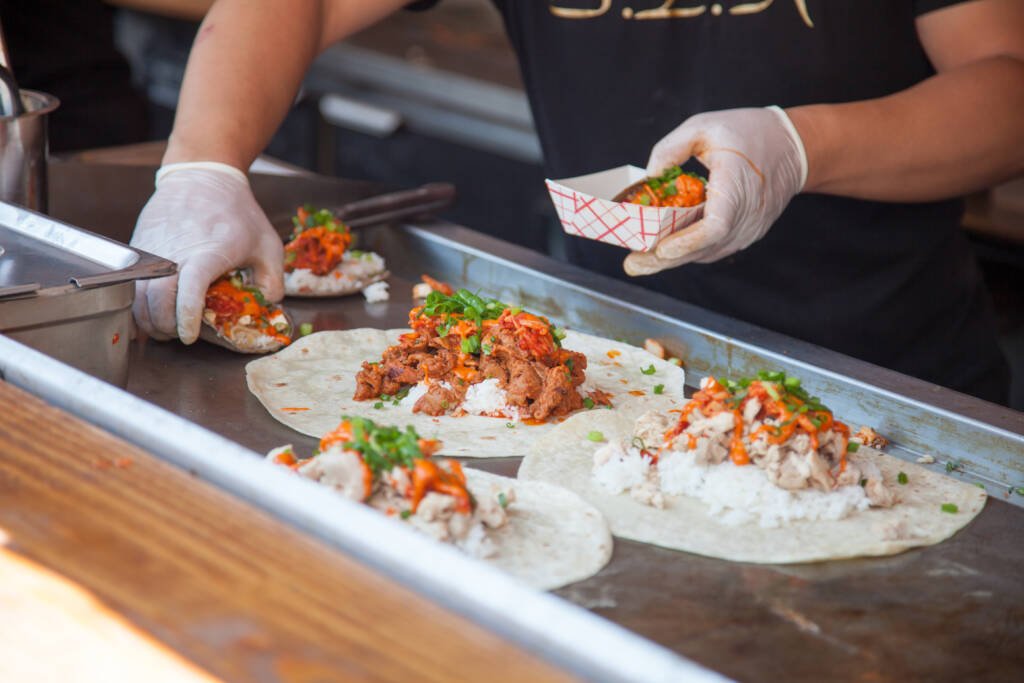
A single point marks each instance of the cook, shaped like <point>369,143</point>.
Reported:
<point>836,136</point>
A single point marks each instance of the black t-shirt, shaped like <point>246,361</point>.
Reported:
<point>894,284</point>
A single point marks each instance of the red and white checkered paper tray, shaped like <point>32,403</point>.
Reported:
<point>585,207</point>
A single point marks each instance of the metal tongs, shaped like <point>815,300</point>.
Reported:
<point>383,208</point>
<point>10,94</point>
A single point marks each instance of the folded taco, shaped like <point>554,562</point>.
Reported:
<point>488,377</point>
<point>539,532</point>
<point>237,316</point>
<point>754,470</point>
<point>318,260</point>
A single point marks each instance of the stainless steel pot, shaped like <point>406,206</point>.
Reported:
<point>23,152</point>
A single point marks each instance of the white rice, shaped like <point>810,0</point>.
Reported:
<point>415,393</point>
<point>348,276</point>
<point>743,494</point>
<point>485,398</point>
<point>376,292</point>
<point>617,470</point>
<point>734,494</point>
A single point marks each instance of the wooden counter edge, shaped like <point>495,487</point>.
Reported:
<point>231,589</point>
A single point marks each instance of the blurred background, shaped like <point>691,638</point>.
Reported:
<point>423,96</point>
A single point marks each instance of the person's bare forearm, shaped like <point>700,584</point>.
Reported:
<point>245,68</point>
<point>959,131</point>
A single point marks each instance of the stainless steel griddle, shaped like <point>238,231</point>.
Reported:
<point>949,612</point>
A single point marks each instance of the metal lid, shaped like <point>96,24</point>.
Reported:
<point>41,255</point>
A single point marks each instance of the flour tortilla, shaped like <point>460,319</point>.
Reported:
<point>243,339</point>
<point>309,386</point>
<point>564,455</point>
<point>553,537</point>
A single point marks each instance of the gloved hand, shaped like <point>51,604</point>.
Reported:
<point>756,163</point>
<point>204,217</point>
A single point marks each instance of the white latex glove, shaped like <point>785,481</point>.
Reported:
<point>756,163</point>
<point>203,217</point>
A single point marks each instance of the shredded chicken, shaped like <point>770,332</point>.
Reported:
<point>341,470</point>
<point>436,515</point>
<point>794,464</point>
<point>870,438</point>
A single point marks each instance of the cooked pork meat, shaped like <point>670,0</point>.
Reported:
<point>438,400</point>
<point>449,350</point>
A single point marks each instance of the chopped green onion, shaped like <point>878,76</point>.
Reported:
<point>510,425</point>
<point>595,435</point>
<point>1020,490</point>
<point>378,405</point>
<point>979,485</point>
<point>644,199</point>
<point>852,447</point>
<point>950,508</point>
<point>405,514</point>
<point>659,388</point>
<point>649,370</point>
<point>902,478</point>
<point>774,393</point>
<point>471,344</point>
<point>588,403</point>
<point>305,328</point>
<point>503,500</point>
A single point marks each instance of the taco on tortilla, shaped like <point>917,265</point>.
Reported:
<point>541,533</point>
<point>238,317</point>
<point>487,377</point>
<point>753,470</point>
<point>319,260</point>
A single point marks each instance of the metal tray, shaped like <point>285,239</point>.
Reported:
<point>68,292</point>
<point>937,613</point>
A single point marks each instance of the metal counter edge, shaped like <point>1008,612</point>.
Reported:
<point>564,634</point>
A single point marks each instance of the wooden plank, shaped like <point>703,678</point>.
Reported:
<point>237,593</point>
